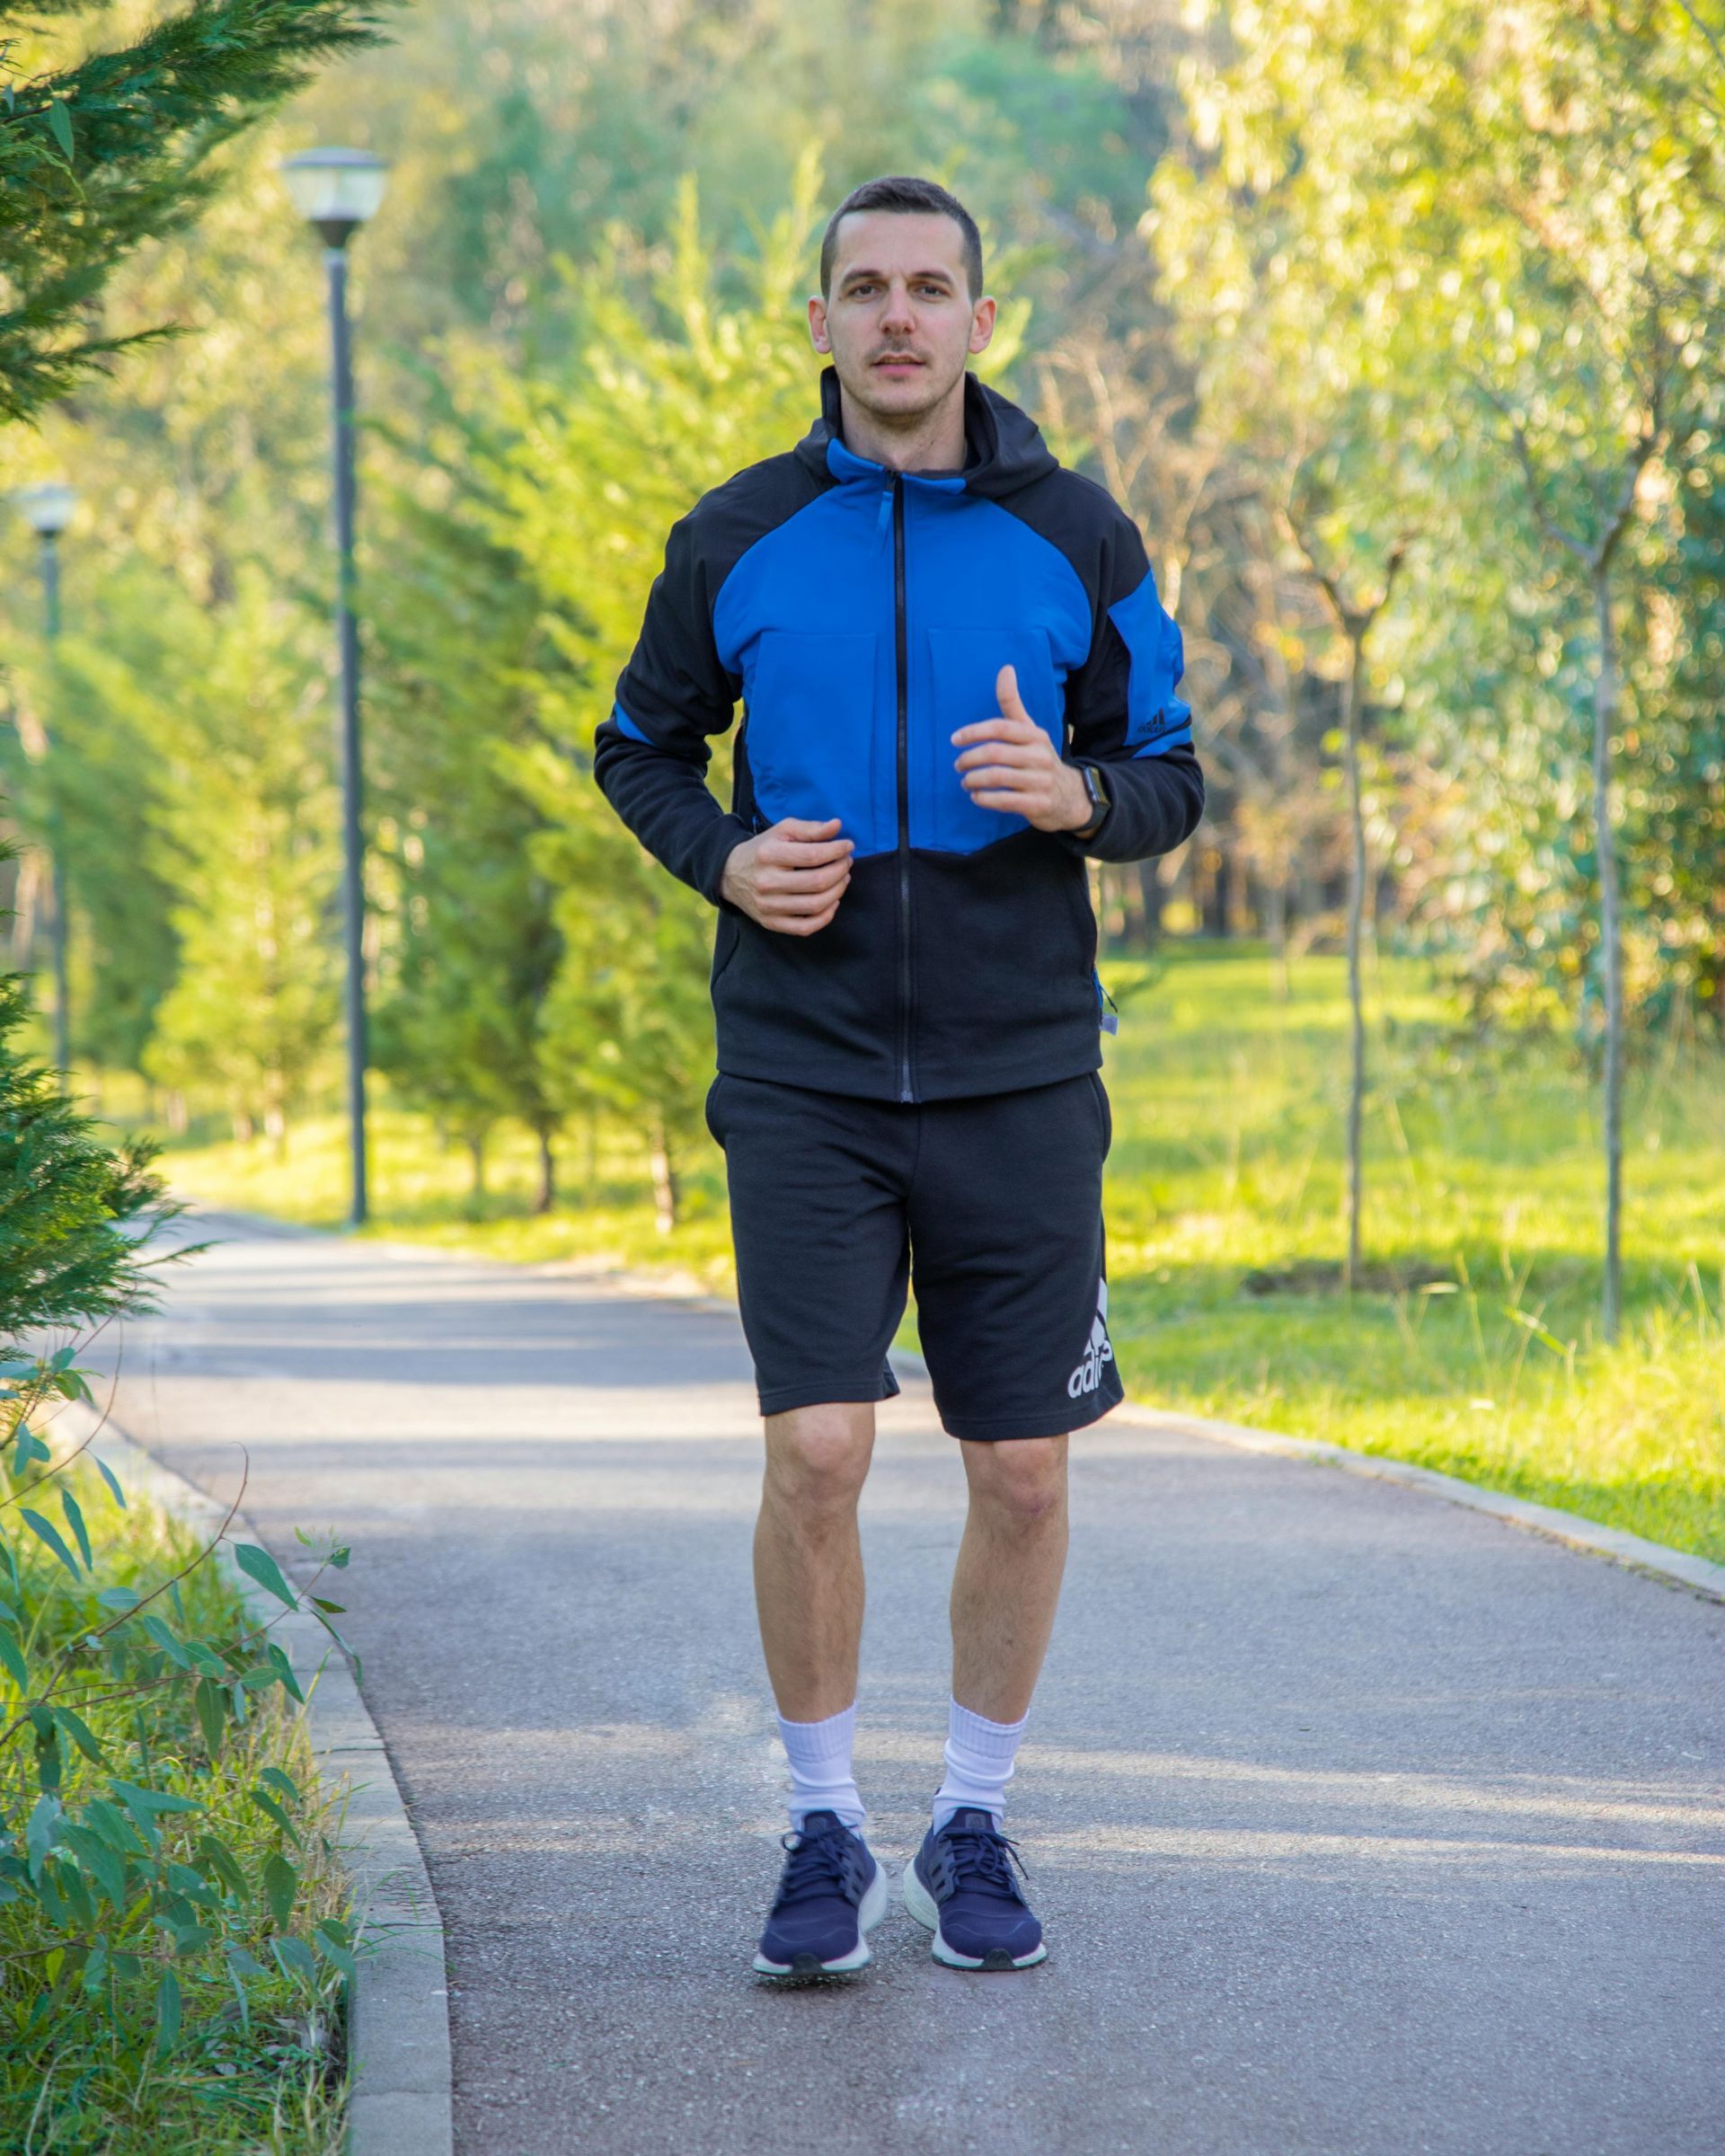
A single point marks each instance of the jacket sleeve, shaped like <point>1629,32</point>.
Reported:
<point>1124,716</point>
<point>650,757</point>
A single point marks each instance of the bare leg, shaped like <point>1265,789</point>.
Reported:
<point>807,1557</point>
<point>1007,1584</point>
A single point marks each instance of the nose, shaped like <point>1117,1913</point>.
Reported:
<point>898,315</point>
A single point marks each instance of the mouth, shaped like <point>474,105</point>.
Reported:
<point>897,363</point>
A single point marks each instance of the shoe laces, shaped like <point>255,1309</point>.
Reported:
<point>815,1864</point>
<point>983,1856</point>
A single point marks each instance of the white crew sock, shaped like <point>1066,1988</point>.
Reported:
<point>979,1756</point>
<point>821,1780</point>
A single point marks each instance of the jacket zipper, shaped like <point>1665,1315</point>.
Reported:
<point>899,642</point>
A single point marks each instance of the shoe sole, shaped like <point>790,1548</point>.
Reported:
<point>922,1906</point>
<point>806,1968</point>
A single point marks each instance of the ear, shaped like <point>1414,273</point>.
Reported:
<point>819,334</point>
<point>982,324</point>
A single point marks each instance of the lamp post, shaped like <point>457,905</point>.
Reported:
<point>48,510</point>
<point>335,192</point>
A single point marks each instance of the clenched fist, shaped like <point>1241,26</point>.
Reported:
<point>1009,764</point>
<point>791,878</point>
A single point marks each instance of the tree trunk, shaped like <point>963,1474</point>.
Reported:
<point>665,1192</point>
<point>545,1197</point>
<point>476,1156</point>
<point>1606,692</point>
<point>1150,893</point>
<point>1355,906</point>
<point>1275,927</point>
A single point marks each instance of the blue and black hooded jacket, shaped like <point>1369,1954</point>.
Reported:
<point>861,615</point>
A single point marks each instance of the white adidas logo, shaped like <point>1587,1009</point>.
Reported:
<point>1088,1375</point>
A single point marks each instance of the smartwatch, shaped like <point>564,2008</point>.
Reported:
<point>1101,802</point>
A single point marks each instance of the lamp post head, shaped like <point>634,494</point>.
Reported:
<point>335,190</point>
<point>47,507</point>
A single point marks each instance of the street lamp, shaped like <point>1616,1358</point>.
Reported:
<point>336,191</point>
<point>48,510</point>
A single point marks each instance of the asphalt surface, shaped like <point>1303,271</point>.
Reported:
<point>1360,1822</point>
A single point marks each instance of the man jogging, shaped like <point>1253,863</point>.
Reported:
<point>957,682</point>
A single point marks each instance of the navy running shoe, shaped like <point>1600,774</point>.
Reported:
<point>962,1888</point>
<point>831,1892</point>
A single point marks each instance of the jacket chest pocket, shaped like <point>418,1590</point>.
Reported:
<point>811,731</point>
<point>964,665</point>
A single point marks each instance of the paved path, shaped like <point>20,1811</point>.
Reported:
<point>1361,1823</point>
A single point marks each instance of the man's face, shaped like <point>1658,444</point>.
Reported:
<point>900,323</point>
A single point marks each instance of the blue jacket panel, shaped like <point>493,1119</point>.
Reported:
<point>861,616</point>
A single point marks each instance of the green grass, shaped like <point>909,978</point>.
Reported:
<point>80,2070</point>
<point>1483,1186</point>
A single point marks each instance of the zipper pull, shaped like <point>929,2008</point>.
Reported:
<point>1109,1018</point>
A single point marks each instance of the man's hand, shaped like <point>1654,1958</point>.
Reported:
<point>1009,764</point>
<point>791,878</point>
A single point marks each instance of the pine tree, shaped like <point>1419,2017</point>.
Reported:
<point>98,156</point>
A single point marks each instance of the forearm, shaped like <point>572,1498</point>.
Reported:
<point>1157,802</point>
<point>670,808</point>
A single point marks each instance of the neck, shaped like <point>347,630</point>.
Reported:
<point>925,441</point>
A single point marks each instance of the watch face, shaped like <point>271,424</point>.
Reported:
<point>1098,792</point>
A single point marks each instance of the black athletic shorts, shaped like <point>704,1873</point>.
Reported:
<point>991,1206</point>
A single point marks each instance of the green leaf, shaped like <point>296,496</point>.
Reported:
<point>42,1832</point>
<point>60,121</point>
<point>212,1714</point>
<point>29,1448</point>
<point>280,1782</point>
<point>80,1732</point>
<point>152,1800</point>
<point>107,1868</point>
<point>280,1885</point>
<point>166,1641</point>
<point>335,1609</point>
<point>296,1955</point>
<point>12,1655</point>
<point>107,1474</point>
<point>216,1856</point>
<point>243,1964</point>
<point>271,1809</point>
<point>284,1670</point>
<point>334,1949</point>
<point>73,1513</point>
<point>167,2012</point>
<point>46,1532</point>
<point>359,1666</point>
<point>118,1599</point>
<point>112,1826</point>
<point>264,1569</point>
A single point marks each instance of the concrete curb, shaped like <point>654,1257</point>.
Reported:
<point>399,2087</point>
<point>1677,1567</point>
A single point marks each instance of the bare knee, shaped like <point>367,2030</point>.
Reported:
<point>818,1459</point>
<point>1020,1483</point>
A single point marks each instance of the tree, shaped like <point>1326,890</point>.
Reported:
<point>114,149</point>
<point>474,948</point>
<point>1531,201</point>
<point>246,831</point>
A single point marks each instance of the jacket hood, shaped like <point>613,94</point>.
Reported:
<point>1003,448</point>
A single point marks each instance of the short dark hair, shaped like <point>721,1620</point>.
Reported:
<point>909,198</point>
